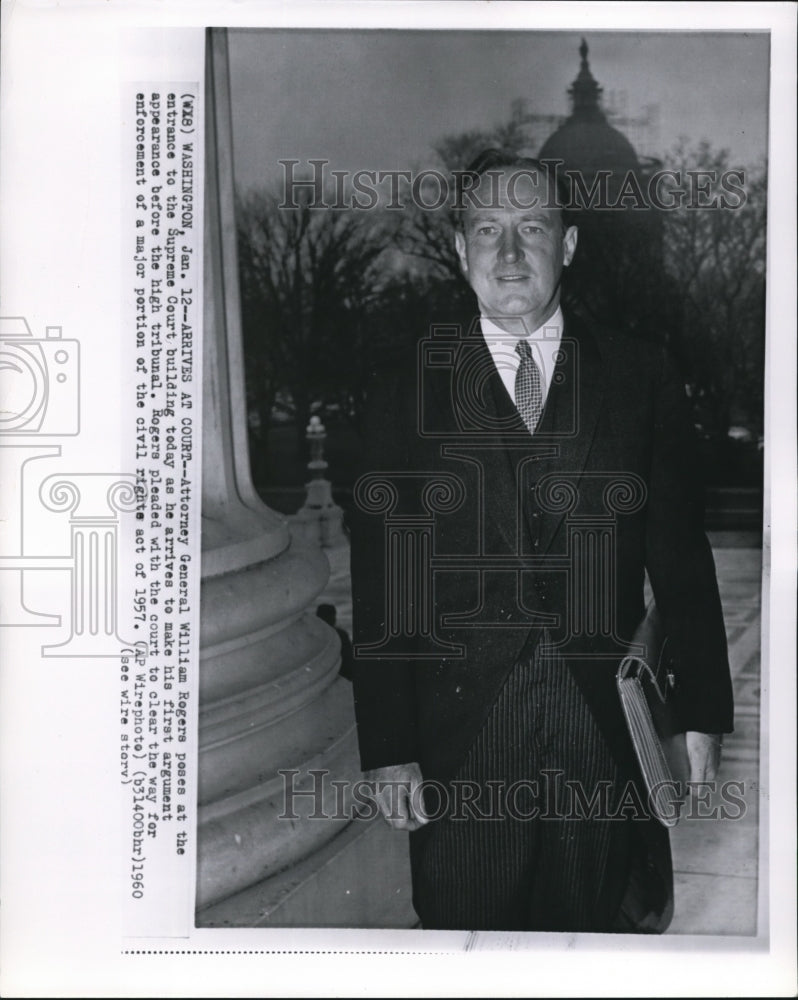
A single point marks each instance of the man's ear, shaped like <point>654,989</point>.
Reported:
<point>460,247</point>
<point>569,241</point>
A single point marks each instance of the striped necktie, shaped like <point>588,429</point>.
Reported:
<point>528,387</point>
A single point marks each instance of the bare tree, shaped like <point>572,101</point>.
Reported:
<point>309,279</point>
<point>693,276</point>
<point>325,291</point>
<point>716,256</point>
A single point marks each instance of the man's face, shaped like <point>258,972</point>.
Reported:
<point>512,253</point>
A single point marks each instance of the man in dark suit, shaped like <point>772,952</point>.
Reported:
<point>520,479</point>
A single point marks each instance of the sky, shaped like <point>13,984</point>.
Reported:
<point>380,99</point>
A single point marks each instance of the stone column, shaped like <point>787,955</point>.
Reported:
<point>270,696</point>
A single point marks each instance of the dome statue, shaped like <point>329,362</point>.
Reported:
<point>586,141</point>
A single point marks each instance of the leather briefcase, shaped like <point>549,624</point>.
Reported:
<point>645,685</point>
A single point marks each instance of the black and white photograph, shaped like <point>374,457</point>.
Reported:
<point>494,529</point>
<point>397,529</point>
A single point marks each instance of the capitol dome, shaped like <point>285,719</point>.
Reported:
<point>586,141</point>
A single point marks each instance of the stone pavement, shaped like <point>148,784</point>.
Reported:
<point>715,861</point>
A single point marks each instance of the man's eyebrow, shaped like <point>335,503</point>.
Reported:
<point>478,216</point>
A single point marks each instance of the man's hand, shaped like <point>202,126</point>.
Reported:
<point>398,794</point>
<point>703,752</point>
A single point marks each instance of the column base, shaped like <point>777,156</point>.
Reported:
<point>360,879</point>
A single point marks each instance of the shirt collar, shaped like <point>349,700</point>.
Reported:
<point>551,330</point>
<point>546,340</point>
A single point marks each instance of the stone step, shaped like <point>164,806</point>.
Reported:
<point>359,879</point>
<point>270,593</point>
<point>260,656</point>
<point>248,749</point>
<point>266,827</point>
<point>311,665</point>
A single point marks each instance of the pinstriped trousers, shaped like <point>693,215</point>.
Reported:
<point>554,870</point>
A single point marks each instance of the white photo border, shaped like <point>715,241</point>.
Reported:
<point>62,70</point>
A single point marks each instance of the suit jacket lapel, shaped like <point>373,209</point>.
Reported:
<point>502,427</point>
<point>569,423</point>
<point>522,454</point>
<point>561,443</point>
<point>559,447</point>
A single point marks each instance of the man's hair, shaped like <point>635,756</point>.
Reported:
<point>502,160</point>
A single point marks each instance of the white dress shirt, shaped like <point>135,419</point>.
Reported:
<point>545,343</point>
